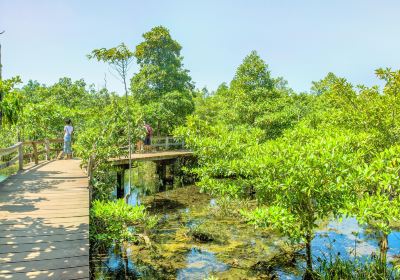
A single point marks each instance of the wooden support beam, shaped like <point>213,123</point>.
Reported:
<point>120,183</point>
<point>47,148</point>
<point>20,157</point>
<point>161,170</point>
<point>35,153</point>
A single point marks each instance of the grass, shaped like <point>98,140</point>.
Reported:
<point>357,269</point>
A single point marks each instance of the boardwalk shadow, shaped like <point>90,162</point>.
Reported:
<point>23,191</point>
<point>44,223</point>
<point>32,249</point>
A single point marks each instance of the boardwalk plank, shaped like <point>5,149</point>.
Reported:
<point>44,223</point>
<point>41,232</point>
<point>45,213</point>
<point>42,238</point>
<point>74,273</point>
<point>42,265</point>
<point>44,255</point>
<point>42,247</point>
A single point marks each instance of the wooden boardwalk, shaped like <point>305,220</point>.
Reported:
<point>44,223</point>
<point>152,156</point>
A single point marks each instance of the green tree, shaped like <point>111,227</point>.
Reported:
<point>255,99</point>
<point>162,86</point>
<point>378,204</point>
<point>10,101</point>
<point>119,58</point>
<point>170,111</point>
<point>252,74</point>
<point>161,69</point>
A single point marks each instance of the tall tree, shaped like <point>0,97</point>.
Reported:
<point>161,68</point>
<point>119,58</point>
<point>252,74</point>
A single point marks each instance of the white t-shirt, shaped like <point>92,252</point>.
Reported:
<point>68,129</point>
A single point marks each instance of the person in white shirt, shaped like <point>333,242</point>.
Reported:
<point>68,129</point>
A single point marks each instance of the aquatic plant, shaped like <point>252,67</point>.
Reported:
<point>117,221</point>
<point>355,269</point>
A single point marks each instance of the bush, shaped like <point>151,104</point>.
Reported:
<point>357,269</point>
<point>117,221</point>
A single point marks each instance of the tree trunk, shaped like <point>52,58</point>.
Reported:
<point>383,246</point>
<point>309,269</point>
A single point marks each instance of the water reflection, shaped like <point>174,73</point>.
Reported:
<point>118,265</point>
<point>199,265</point>
<point>144,181</point>
<point>2,177</point>
<point>349,239</point>
<point>180,210</point>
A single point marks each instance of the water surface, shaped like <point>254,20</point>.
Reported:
<point>234,250</point>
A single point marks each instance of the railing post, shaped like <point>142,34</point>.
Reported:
<point>90,167</point>
<point>35,153</point>
<point>47,148</point>
<point>20,157</point>
<point>166,142</point>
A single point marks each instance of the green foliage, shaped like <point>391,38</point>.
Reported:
<point>169,111</point>
<point>254,99</point>
<point>104,136</point>
<point>357,269</point>
<point>47,107</point>
<point>10,101</point>
<point>380,183</point>
<point>119,58</point>
<point>252,74</point>
<point>161,68</point>
<point>162,86</point>
<point>304,158</point>
<point>362,108</point>
<point>117,221</point>
<point>117,55</point>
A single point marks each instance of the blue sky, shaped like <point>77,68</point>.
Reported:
<point>300,40</point>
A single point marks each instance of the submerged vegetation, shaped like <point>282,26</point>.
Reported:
<point>277,164</point>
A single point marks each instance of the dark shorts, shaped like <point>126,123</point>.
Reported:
<point>147,140</point>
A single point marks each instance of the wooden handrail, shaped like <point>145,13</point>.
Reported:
<point>162,141</point>
<point>9,150</point>
<point>18,147</point>
<point>47,149</point>
<point>19,157</point>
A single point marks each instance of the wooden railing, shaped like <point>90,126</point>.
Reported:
<point>166,142</point>
<point>4,153</point>
<point>7,159</point>
<point>159,143</point>
<point>36,152</point>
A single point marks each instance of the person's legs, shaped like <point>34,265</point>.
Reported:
<point>60,155</point>
<point>67,148</point>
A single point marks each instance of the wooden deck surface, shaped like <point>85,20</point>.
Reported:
<point>44,223</point>
<point>152,156</point>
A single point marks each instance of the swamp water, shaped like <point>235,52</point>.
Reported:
<point>2,177</point>
<point>196,240</point>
